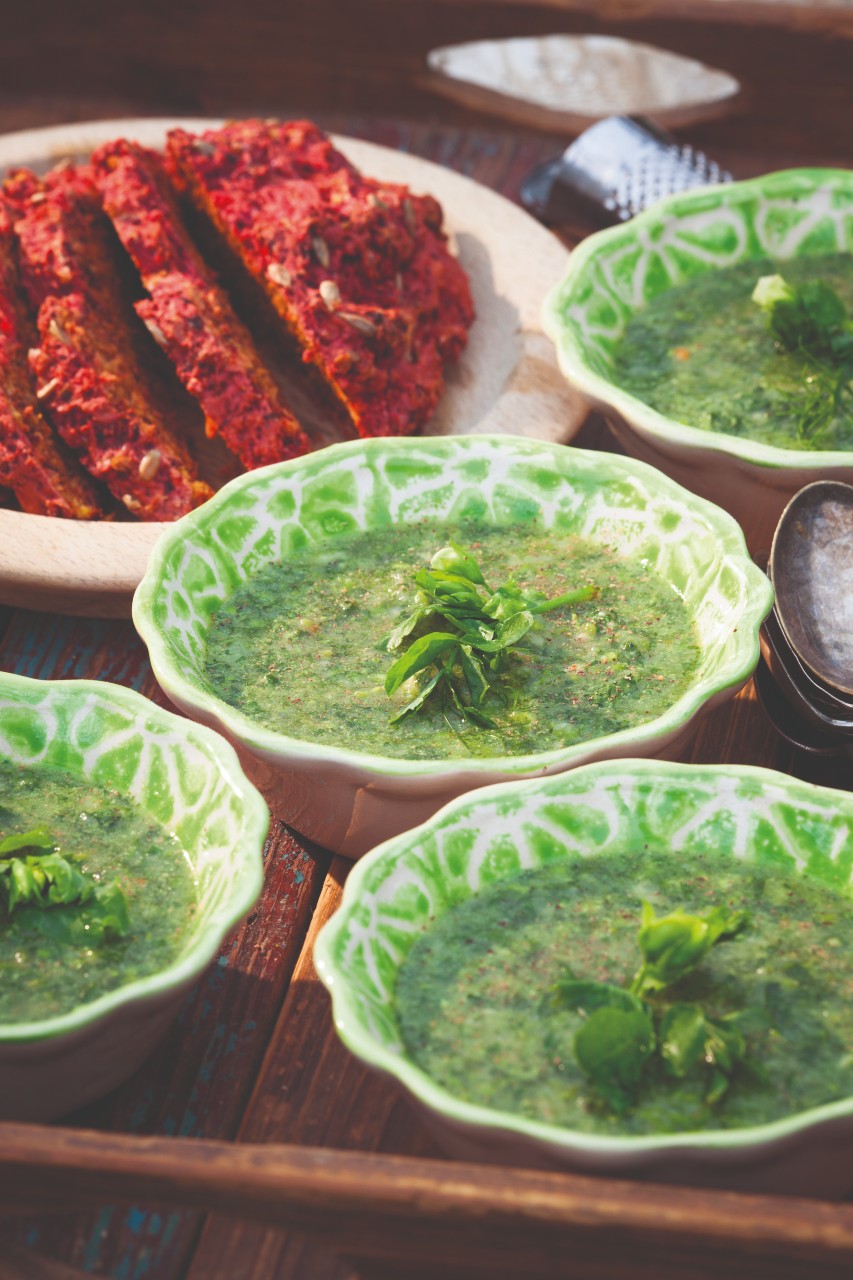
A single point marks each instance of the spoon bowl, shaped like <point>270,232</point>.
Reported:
<point>811,567</point>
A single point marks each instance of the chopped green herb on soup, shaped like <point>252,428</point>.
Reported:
<point>602,644</point>
<point>719,354</point>
<point>93,894</point>
<point>528,996</point>
<point>461,633</point>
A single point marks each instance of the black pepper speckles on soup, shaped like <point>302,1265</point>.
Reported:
<point>701,354</point>
<point>296,647</point>
<point>472,993</point>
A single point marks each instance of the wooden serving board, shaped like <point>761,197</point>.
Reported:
<point>506,381</point>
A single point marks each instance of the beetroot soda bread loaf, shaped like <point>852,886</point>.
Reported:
<point>43,477</point>
<point>358,271</point>
<point>91,365</point>
<point>189,315</point>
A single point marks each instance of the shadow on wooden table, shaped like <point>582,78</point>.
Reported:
<point>792,59</point>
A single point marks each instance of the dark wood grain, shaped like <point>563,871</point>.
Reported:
<point>370,56</point>
<point>465,1219</point>
<point>22,1264</point>
<point>313,1091</point>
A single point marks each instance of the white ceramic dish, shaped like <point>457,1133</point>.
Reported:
<point>507,379</point>
<point>564,83</point>
<point>349,800</point>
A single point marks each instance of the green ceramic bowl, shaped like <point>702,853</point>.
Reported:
<point>616,272</point>
<point>183,777</point>
<point>608,807</point>
<point>348,800</point>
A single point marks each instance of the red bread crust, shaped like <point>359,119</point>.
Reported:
<point>32,464</point>
<point>358,270</point>
<point>61,232</point>
<point>101,395</point>
<point>104,417</point>
<point>189,315</point>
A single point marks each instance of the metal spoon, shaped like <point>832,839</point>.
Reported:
<point>793,728</point>
<point>811,566</point>
<point>828,716</point>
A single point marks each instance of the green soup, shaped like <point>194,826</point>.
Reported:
<point>474,1006</point>
<point>700,353</point>
<point>296,647</point>
<point>47,965</point>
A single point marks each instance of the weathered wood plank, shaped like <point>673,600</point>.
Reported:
<point>309,1090</point>
<point>466,1219</point>
<point>23,1264</point>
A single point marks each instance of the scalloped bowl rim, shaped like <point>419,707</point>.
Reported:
<point>246,885</point>
<point>752,1140</point>
<point>187,694</point>
<point>636,413</point>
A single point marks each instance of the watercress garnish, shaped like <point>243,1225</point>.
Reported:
<point>463,631</point>
<point>689,1039</point>
<point>49,879</point>
<point>615,1039</point>
<point>612,1049</point>
<point>627,1030</point>
<point>811,320</point>
<point>37,838</point>
<point>675,944</point>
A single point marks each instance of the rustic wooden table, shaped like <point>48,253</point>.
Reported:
<point>252,1146</point>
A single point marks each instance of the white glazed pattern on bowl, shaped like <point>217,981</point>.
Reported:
<point>189,781</point>
<point>600,809</point>
<point>348,800</point>
<point>614,273</point>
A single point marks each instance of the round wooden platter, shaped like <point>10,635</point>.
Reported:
<point>506,381</point>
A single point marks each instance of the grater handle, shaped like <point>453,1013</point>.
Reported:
<point>616,168</point>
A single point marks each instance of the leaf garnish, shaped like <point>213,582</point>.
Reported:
<point>45,880</point>
<point>612,1048</point>
<point>104,917</point>
<point>421,653</point>
<point>585,996</point>
<point>38,838</point>
<point>627,1030</point>
<point>419,700</point>
<point>673,945</point>
<point>461,664</point>
<point>688,1039</point>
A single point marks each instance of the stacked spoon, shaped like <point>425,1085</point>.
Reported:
<point>805,681</point>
